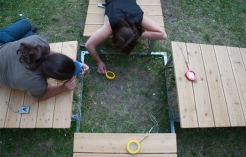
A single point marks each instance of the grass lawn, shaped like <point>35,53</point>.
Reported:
<point>128,110</point>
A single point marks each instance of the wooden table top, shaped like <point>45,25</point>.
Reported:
<point>51,113</point>
<point>95,14</point>
<point>217,98</point>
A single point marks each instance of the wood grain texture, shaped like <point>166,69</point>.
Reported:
<point>186,101</point>
<point>139,2</point>
<point>216,92</point>
<point>229,86</point>
<point>63,103</point>
<point>116,143</point>
<point>239,72</point>
<point>200,88</point>
<point>122,155</point>
<point>4,96</point>
<point>12,119</point>
<point>219,90</point>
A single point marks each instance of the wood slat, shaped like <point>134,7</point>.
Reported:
<point>63,104</point>
<point>29,120</point>
<point>47,107</point>
<point>4,96</point>
<point>201,94</point>
<point>57,47</point>
<point>148,10</point>
<point>229,86</point>
<point>116,143</point>
<point>217,97</point>
<point>90,29</point>
<point>122,155</point>
<point>70,48</point>
<point>139,2</point>
<point>239,72</point>
<point>187,107</point>
<point>243,54</point>
<point>16,100</point>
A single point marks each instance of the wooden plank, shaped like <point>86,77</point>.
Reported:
<point>29,120</point>
<point>70,48</point>
<point>4,96</point>
<point>122,155</point>
<point>239,72</point>
<point>243,54</point>
<point>186,102</point>
<point>116,143</point>
<point>148,10</point>
<point>229,86</point>
<point>63,104</point>
<point>90,29</point>
<point>98,19</point>
<point>46,108</point>
<point>57,47</point>
<point>139,2</point>
<point>201,94</point>
<point>219,106</point>
<point>16,100</point>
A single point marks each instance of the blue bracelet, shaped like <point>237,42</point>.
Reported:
<point>78,66</point>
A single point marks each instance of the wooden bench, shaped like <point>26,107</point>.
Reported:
<point>217,98</point>
<point>114,145</point>
<point>95,14</point>
<point>51,113</point>
<point>95,17</point>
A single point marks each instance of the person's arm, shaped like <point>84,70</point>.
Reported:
<point>97,37</point>
<point>54,90</point>
<point>152,30</point>
<point>85,68</point>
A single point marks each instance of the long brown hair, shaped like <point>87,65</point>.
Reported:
<point>125,37</point>
<point>55,65</point>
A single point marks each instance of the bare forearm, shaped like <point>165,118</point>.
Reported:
<point>91,49</point>
<point>52,91</point>
<point>158,35</point>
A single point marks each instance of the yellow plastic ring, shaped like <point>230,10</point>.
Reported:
<point>133,151</point>
<point>110,73</point>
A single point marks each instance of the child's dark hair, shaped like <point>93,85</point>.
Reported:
<point>55,65</point>
<point>126,35</point>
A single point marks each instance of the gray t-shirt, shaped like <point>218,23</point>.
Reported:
<point>14,74</point>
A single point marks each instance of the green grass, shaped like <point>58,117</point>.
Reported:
<point>208,22</point>
<point>36,142</point>
<point>124,105</point>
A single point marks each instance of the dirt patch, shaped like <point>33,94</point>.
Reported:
<point>125,103</point>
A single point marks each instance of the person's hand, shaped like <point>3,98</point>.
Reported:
<point>70,84</point>
<point>101,68</point>
<point>85,68</point>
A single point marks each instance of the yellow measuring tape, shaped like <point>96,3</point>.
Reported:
<point>133,146</point>
<point>110,75</point>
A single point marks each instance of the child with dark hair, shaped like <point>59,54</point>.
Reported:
<point>125,20</point>
<point>27,63</point>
